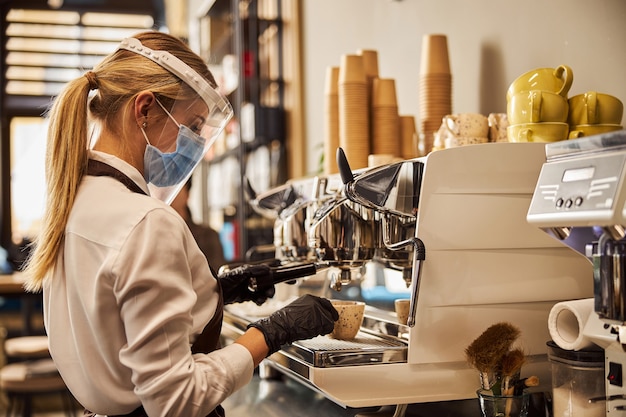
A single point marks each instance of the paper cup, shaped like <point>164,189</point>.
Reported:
<point>370,62</point>
<point>402,309</point>
<point>384,92</point>
<point>352,69</point>
<point>434,56</point>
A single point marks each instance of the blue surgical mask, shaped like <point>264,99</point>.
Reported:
<point>167,169</point>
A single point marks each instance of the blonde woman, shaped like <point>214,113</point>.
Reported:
<point>131,309</point>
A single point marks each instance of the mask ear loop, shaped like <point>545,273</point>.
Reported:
<point>168,113</point>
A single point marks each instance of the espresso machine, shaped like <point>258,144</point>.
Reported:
<point>454,223</point>
<point>582,190</point>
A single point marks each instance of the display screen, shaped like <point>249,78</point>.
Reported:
<point>578,174</point>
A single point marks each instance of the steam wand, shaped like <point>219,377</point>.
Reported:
<point>419,255</point>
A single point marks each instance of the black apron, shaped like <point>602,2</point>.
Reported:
<point>209,339</point>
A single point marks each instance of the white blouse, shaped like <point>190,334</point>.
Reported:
<point>130,292</point>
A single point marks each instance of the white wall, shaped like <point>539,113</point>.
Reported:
<point>490,43</point>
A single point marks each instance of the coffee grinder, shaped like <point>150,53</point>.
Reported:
<point>580,198</point>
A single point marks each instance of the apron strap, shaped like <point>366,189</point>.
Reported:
<point>100,169</point>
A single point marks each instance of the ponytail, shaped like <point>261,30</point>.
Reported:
<point>66,163</point>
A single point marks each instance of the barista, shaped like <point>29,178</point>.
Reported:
<point>131,309</point>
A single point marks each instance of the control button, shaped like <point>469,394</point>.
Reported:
<point>569,203</point>
<point>578,201</point>
<point>559,202</point>
<point>615,374</point>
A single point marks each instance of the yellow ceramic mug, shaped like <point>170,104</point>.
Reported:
<point>538,132</point>
<point>557,80</point>
<point>589,130</point>
<point>537,106</point>
<point>593,108</point>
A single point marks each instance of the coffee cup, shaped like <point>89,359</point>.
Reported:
<point>536,106</point>
<point>466,125</point>
<point>375,160</point>
<point>350,319</point>
<point>538,132</point>
<point>595,108</point>
<point>579,131</point>
<point>557,80</point>
<point>402,307</point>
<point>455,141</point>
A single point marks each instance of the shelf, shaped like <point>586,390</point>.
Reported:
<point>252,32</point>
<point>244,147</point>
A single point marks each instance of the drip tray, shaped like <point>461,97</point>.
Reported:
<point>365,349</point>
<point>369,347</point>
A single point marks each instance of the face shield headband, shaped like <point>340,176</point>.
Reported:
<point>219,109</point>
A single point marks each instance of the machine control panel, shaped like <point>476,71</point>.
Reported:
<point>581,191</point>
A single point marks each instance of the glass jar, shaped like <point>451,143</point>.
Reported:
<point>577,376</point>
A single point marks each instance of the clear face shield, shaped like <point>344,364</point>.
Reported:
<point>199,122</point>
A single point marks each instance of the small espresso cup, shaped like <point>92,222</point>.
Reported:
<point>538,132</point>
<point>402,307</point>
<point>350,319</point>
<point>593,108</point>
<point>466,124</point>
<point>537,106</point>
<point>557,80</point>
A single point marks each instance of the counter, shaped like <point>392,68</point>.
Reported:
<point>285,397</point>
<point>286,391</point>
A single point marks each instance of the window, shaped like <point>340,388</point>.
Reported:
<point>28,148</point>
<point>44,48</point>
<point>47,48</point>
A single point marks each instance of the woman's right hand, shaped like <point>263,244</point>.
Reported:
<point>306,317</point>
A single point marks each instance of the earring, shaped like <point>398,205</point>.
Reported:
<point>144,125</point>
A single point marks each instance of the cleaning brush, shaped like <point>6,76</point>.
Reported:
<point>510,366</point>
<point>487,350</point>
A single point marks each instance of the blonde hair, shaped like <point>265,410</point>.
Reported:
<point>117,80</point>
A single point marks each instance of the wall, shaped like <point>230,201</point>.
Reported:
<point>490,43</point>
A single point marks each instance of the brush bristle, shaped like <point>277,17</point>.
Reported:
<point>512,362</point>
<point>487,350</point>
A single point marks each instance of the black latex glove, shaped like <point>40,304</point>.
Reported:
<point>236,282</point>
<point>304,318</point>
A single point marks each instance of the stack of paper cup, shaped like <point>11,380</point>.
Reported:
<point>331,120</point>
<point>353,111</point>
<point>409,141</point>
<point>385,120</point>
<point>435,88</point>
